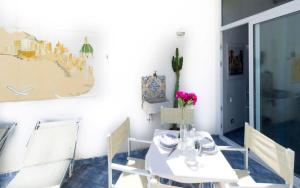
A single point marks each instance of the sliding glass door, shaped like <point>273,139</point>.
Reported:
<point>277,81</point>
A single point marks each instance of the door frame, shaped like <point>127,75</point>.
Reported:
<point>282,10</point>
<point>222,66</point>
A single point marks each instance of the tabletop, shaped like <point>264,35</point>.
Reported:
<point>210,168</point>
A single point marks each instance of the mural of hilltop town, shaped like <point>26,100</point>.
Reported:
<point>34,69</point>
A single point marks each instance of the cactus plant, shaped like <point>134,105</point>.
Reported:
<point>177,63</point>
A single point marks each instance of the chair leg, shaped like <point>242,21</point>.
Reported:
<point>246,160</point>
<point>129,148</point>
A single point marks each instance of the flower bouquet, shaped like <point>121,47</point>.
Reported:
<point>186,99</point>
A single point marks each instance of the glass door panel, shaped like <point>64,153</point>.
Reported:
<point>277,81</point>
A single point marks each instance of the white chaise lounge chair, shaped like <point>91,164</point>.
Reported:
<point>50,154</point>
<point>5,131</point>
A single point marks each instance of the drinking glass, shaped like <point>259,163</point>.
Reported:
<point>191,154</point>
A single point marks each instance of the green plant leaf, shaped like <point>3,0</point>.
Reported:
<point>190,102</point>
<point>180,102</point>
<point>173,64</point>
<point>177,63</point>
<point>180,63</point>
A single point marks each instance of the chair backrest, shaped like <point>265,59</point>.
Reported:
<point>51,142</point>
<point>176,116</point>
<point>277,157</point>
<point>2,132</point>
<point>5,131</point>
<point>115,141</point>
<point>117,138</point>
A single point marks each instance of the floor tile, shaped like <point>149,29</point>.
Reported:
<point>90,173</point>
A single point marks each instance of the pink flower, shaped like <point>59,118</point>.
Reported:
<point>180,94</point>
<point>187,98</point>
<point>193,97</point>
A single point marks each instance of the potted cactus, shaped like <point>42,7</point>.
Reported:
<point>177,66</point>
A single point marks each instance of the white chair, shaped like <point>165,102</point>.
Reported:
<point>5,131</point>
<point>176,116</point>
<point>134,173</point>
<point>49,155</point>
<point>155,184</point>
<point>275,156</point>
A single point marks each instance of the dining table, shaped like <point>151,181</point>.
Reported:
<point>209,168</point>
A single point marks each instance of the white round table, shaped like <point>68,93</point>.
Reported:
<point>210,168</point>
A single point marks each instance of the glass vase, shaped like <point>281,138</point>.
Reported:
<point>183,137</point>
<point>183,132</point>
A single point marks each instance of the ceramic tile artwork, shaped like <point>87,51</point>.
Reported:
<point>92,173</point>
<point>154,88</point>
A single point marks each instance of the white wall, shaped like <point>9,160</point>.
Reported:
<point>138,37</point>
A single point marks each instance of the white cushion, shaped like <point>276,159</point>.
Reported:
<point>127,180</point>
<point>48,156</point>
<point>244,178</point>
<point>246,181</point>
<point>52,141</point>
<point>41,176</point>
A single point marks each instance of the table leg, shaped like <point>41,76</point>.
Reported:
<point>148,184</point>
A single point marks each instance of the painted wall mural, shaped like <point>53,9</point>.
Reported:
<point>34,69</point>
